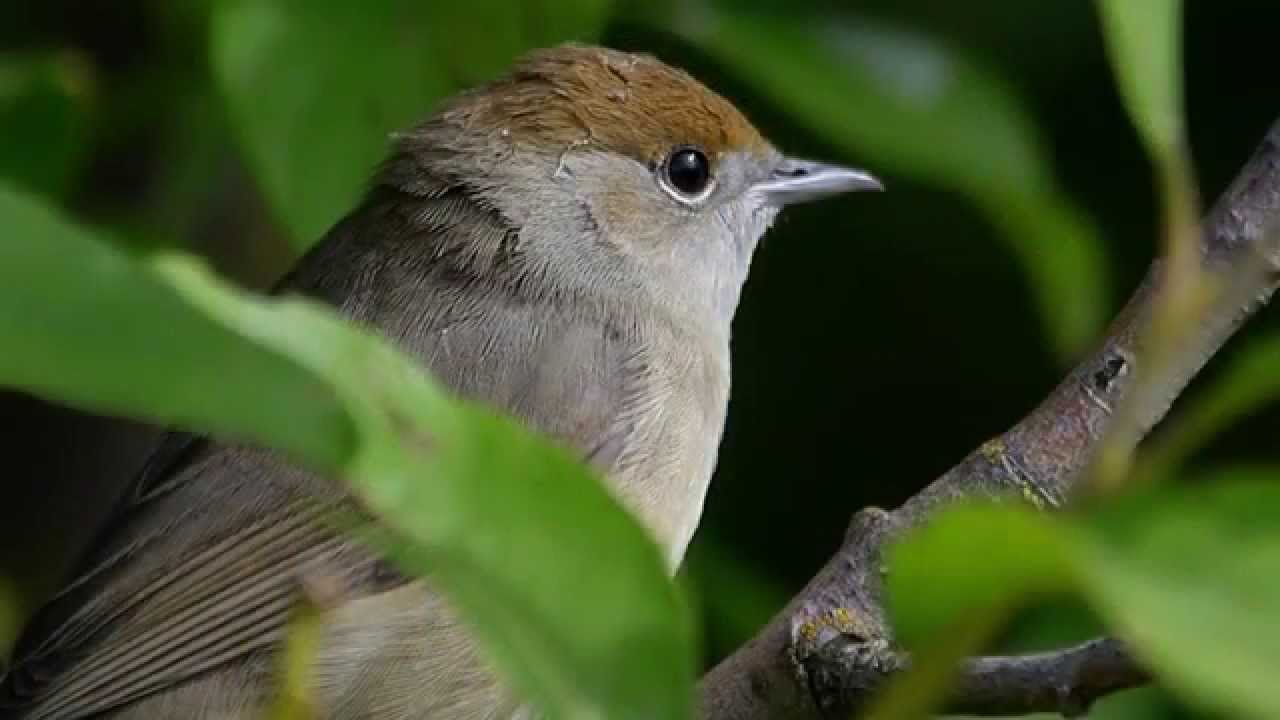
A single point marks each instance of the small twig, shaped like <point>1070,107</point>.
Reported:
<point>829,649</point>
<point>1065,681</point>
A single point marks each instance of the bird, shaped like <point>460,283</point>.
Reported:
<point>566,244</point>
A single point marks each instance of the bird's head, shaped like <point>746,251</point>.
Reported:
<point>620,174</point>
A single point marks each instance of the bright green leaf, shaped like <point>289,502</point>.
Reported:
<point>1186,575</point>
<point>1192,579</point>
<point>900,101</point>
<point>967,560</point>
<point>430,468</point>
<point>44,118</point>
<point>83,324</point>
<point>315,89</point>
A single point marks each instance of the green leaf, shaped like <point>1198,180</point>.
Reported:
<point>951,585</point>
<point>736,598</point>
<point>903,103</point>
<point>294,700</point>
<point>82,323</point>
<point>1008,551</point>
<point>505,523</point>
<point>314,90</point>
<point>1192,579</point>
<point>1144,38</point>
<point>480,38</point>
<point>44,117</point>
<point>1187,576</point>
<point>914,695</point>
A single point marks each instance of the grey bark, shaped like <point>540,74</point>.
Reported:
<point>827,652</point>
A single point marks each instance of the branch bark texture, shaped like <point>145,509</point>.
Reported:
<point>825,654</point>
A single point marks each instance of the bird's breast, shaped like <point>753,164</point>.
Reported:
<point>677,439</point>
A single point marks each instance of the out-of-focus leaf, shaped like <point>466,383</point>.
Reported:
<point>902,102</point>
<point>1248,383</point>
<point>43,120</point>
<point>315,89</point>
<point>1188,577</point>
<point>1011,551</point>
<point>736,598</point>
<point>1192,579</point>
<point>916,694</point>
<point>430,469</point>
<point>953,582</point>
<point>482,37</point>
<point>294,698</point>
<point>1144,38</point>
<point>1147,703</point>
<point>503,521</point>
<point>81,323</point>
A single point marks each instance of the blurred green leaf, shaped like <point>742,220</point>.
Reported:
<point>902,101</point>
<point>1009,550</point>
<point>315,89</point>
<point>84,325</point>
<point>1192,579</point>
<point>917,694</point>
<point>1188,576</point>
<point>737,599</point>
<point>483,37</point>
<point>1144,38</point>
<point>1249,382</point>
<point>44,120</point>
<point>294,700</point>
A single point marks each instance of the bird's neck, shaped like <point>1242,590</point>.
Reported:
<point>548,249</point>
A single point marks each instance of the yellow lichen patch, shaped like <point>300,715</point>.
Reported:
<point>631,104</point>
<point>992,450</point>
<point>995,452</point>
<point>840,620</point>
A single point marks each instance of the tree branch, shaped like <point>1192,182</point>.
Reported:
<point>827,652</point>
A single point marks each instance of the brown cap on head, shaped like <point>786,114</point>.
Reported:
<point>634,105</point>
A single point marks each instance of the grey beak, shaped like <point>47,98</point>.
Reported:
<point>796,181</point>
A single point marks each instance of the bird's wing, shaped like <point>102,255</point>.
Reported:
<point>204,573</point>
<point>204,563</point>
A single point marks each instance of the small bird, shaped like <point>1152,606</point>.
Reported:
<point>566,244</point>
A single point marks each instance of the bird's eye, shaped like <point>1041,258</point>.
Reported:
<point>688,172</point>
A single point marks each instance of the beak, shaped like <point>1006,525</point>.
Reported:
<point>797,181</point>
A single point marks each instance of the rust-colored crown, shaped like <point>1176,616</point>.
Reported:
<point>630,104</point>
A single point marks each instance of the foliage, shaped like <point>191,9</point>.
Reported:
<point>311,90</point>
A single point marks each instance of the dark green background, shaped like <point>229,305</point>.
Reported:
<point>880,337</point>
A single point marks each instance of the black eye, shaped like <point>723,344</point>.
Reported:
<point>688,171</point>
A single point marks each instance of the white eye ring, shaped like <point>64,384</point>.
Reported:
<point>685,174</point>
